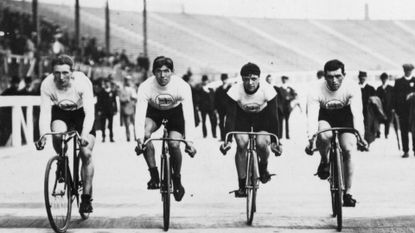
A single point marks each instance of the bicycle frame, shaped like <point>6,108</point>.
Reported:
<point>252,169</point>
<point>165,166</point>
<point>336,178</point>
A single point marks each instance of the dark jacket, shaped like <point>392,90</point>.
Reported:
<point>400,91</point>
<point>367,91</point>
<point>284,98</point>
<point>375,115</point>
<point>386,96</point>
<point>106,102</point>
<point>221,98</point>
<point>206,99</point>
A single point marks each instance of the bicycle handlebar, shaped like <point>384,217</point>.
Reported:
<point>310,150</point>
<point>249,133</point>
<point>166,139</point>
<point>70,134</point>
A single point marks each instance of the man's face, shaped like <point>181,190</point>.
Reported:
<point>268,79</point>
<point>163,75</point>
<point>362,79</point>
<point>250,82</point>
<point>62,76</point>
<point>334,79</point>
<point>408,72</point>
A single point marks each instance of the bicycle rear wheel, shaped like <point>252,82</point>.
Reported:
<point>165,191</point>
<point>338,190</point>
<point>57,192</point>
<point>251,188</point>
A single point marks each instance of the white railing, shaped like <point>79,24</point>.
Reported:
<point>18,120</point>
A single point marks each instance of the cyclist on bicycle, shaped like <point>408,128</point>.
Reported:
<point>252,104</point>
<point>67,102</point>
<point>165,96</point>
<point>335,101</point>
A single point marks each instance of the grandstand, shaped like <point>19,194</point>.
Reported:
<point>213,44</point>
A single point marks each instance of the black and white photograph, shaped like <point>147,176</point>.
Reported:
<point>188,116</point>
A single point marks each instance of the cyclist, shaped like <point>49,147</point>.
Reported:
<point>67,103</point>
<point>335,101</point>
<point>252,103</point>
<point>165,96</point>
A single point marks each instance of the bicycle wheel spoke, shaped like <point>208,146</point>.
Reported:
<point>57,195</point>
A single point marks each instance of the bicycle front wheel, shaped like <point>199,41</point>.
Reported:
<point>338,190</point>
<point>57,192</point>
<point>251,188</point>
<point>165,192</point>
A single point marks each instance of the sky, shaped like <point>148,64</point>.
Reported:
<point>294,9</point>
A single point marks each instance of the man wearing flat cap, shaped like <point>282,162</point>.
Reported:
<point>403,89</point>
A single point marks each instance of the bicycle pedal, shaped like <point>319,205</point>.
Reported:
<point>234,191</point>
<point>272,174</point>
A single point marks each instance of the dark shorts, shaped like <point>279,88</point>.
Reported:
<point>342,117</point>
<point>258,120</point>
<point>73,119</point>
<point>174,117</point>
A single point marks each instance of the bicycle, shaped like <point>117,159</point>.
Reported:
<point>252,170</point>
<point>166,173</point>
<point>60,187</point>
<point>336,178</point>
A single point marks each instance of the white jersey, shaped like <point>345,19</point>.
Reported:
<point>176,92</point>
<point>319,96</point>
<point>78,95</point>
<point>255,102</point>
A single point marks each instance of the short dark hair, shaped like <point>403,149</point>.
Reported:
<point>205,78</point>
<point>63,60</point>
<point>384,76</point>
<point>320,73</point>
<point>334,65</point>
<point>250,69</point>
<point>223,76</point>
<point>163,61</point>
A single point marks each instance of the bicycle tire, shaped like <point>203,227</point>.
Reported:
<point>165,192</point>
<point>251,189</point>
<point>338,180</point>
<point>57,175</point>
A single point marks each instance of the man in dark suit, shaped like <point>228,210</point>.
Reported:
<point>403,89</point>
<point>106,107</point>
<point>285,96</point>
<point>206,106</point>
<point>384,92</point>
<point>221,104</point>
<point>367,91</point>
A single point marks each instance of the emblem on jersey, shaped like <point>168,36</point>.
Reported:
<point>164,100</point>
<point>334,104</point>
<point>252,107</point>
<point>67,105</point>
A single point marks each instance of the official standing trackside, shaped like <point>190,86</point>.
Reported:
<point>403,89</point>
<point>385,93</point>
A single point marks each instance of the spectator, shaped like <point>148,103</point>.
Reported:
<point>367,91</point>
<point>195,97</point>
<point>404,88</point>
<point>106,107</point>
<point>286,96</point>
<point>220,103</point>
<point>14,87</point>
<point>206,106</point>
<point>128,97</point>
<point>143,62</point>
<point>384,92</point>
<point>27,89</point>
